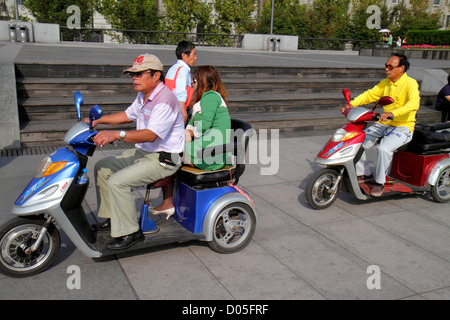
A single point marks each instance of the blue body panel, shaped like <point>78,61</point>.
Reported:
<point>192,205</point>
<point>38,184</point>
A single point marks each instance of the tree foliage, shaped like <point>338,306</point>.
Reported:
<point>344,19</point>
<point>55,11</point>
<point>131,15</point>
<point>186,15</point>
<point>288,18</point>
<point>235,13</point>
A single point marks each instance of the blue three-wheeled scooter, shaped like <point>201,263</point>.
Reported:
<point>209,206</point>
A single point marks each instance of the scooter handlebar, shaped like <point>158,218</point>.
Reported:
<point>377,117</point>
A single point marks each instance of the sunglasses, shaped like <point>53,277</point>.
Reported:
<point>389,67</point>
<point>138,74</point>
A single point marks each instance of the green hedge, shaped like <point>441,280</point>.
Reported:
<point>431,37</point>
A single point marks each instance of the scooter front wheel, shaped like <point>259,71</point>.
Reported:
<point>321,192</point>
<point>233,229</point>
<point>17,236</point>
<point>441,190</point>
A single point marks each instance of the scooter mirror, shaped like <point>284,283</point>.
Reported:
<point>78,103</point>
<point>346,95</point>
<point>384,101</point>
<point>94,114</point>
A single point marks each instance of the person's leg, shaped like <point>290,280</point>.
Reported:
<point>146,169</point>
<point>103,170</point>
<point>167,191</point>
<point>373,134</point>
<point>394,138</point>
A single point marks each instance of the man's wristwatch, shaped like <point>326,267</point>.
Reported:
<point>122,135</point>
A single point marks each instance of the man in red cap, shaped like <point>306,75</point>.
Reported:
<point>159,134</point>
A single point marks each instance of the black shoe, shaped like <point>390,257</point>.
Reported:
<point>125,241</point>
<point>104,226</point>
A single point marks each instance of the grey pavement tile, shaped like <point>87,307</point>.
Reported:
<point>271,218</point>
<point>254,273</point>
<point>426,207</point>
<point>364,208</point>
<point>440,294</point>
<point>409,264</point>
<point>291,200</point>
<point>172,273</point>
<point>418,230</point>
<point>326,266</point>
<point>105,281</point>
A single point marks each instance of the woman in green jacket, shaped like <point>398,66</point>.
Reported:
<point>209,126</point>
<point>210,123</point>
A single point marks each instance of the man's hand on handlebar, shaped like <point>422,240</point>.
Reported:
<point>94,122</point>
<point>106,136</point>
<point>386,116</point>
<point>345,107</point>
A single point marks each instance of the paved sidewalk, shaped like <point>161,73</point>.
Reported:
<point>296,252</point>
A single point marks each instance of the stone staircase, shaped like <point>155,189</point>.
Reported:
<point>299,101</point>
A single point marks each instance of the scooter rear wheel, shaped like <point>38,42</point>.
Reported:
<point>233,228</point>
<point>441,190</point>
<point>318,192</point>
<point>18,235</point>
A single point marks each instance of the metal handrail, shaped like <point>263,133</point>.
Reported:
<point>199,38</point>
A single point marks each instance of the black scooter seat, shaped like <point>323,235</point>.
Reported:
<point>427,140</point>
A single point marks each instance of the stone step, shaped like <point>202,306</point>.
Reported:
<point>55,87</point>
<point>47,133</point>
<point>62,108</point>
<point>26,70</point>
<point>293,100</point>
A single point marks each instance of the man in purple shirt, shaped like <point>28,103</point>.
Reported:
<point>443,101</point>
<point>159,135</point>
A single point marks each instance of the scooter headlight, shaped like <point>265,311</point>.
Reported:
<point>342,135</point>
<point>48,167</point>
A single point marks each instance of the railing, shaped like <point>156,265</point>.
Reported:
<point>202,39</point>
<point>150,37</point>
<point>334,44</point>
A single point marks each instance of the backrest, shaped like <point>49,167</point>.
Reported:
<point>240,137</point>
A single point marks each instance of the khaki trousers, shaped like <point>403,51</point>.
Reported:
<point>116,177</point>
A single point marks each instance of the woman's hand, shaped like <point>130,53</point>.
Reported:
<point>188,135</point>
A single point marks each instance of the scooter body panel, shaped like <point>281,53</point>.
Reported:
<point>335,152</point>
<point>50,188</point>
<point>192,205</point>
<point>414,168</point>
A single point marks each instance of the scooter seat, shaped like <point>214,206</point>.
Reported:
<point>427,140</point>
<point>201,179</point>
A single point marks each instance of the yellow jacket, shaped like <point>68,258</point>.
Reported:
<point>406,95</point>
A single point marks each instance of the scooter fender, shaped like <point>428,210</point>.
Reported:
<point>436,171</point>
<point>216,208</point>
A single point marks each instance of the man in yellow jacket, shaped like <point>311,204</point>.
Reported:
<point>393,133</point>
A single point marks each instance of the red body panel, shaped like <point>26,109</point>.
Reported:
<point>413,168</point>
<point>331,147</point>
